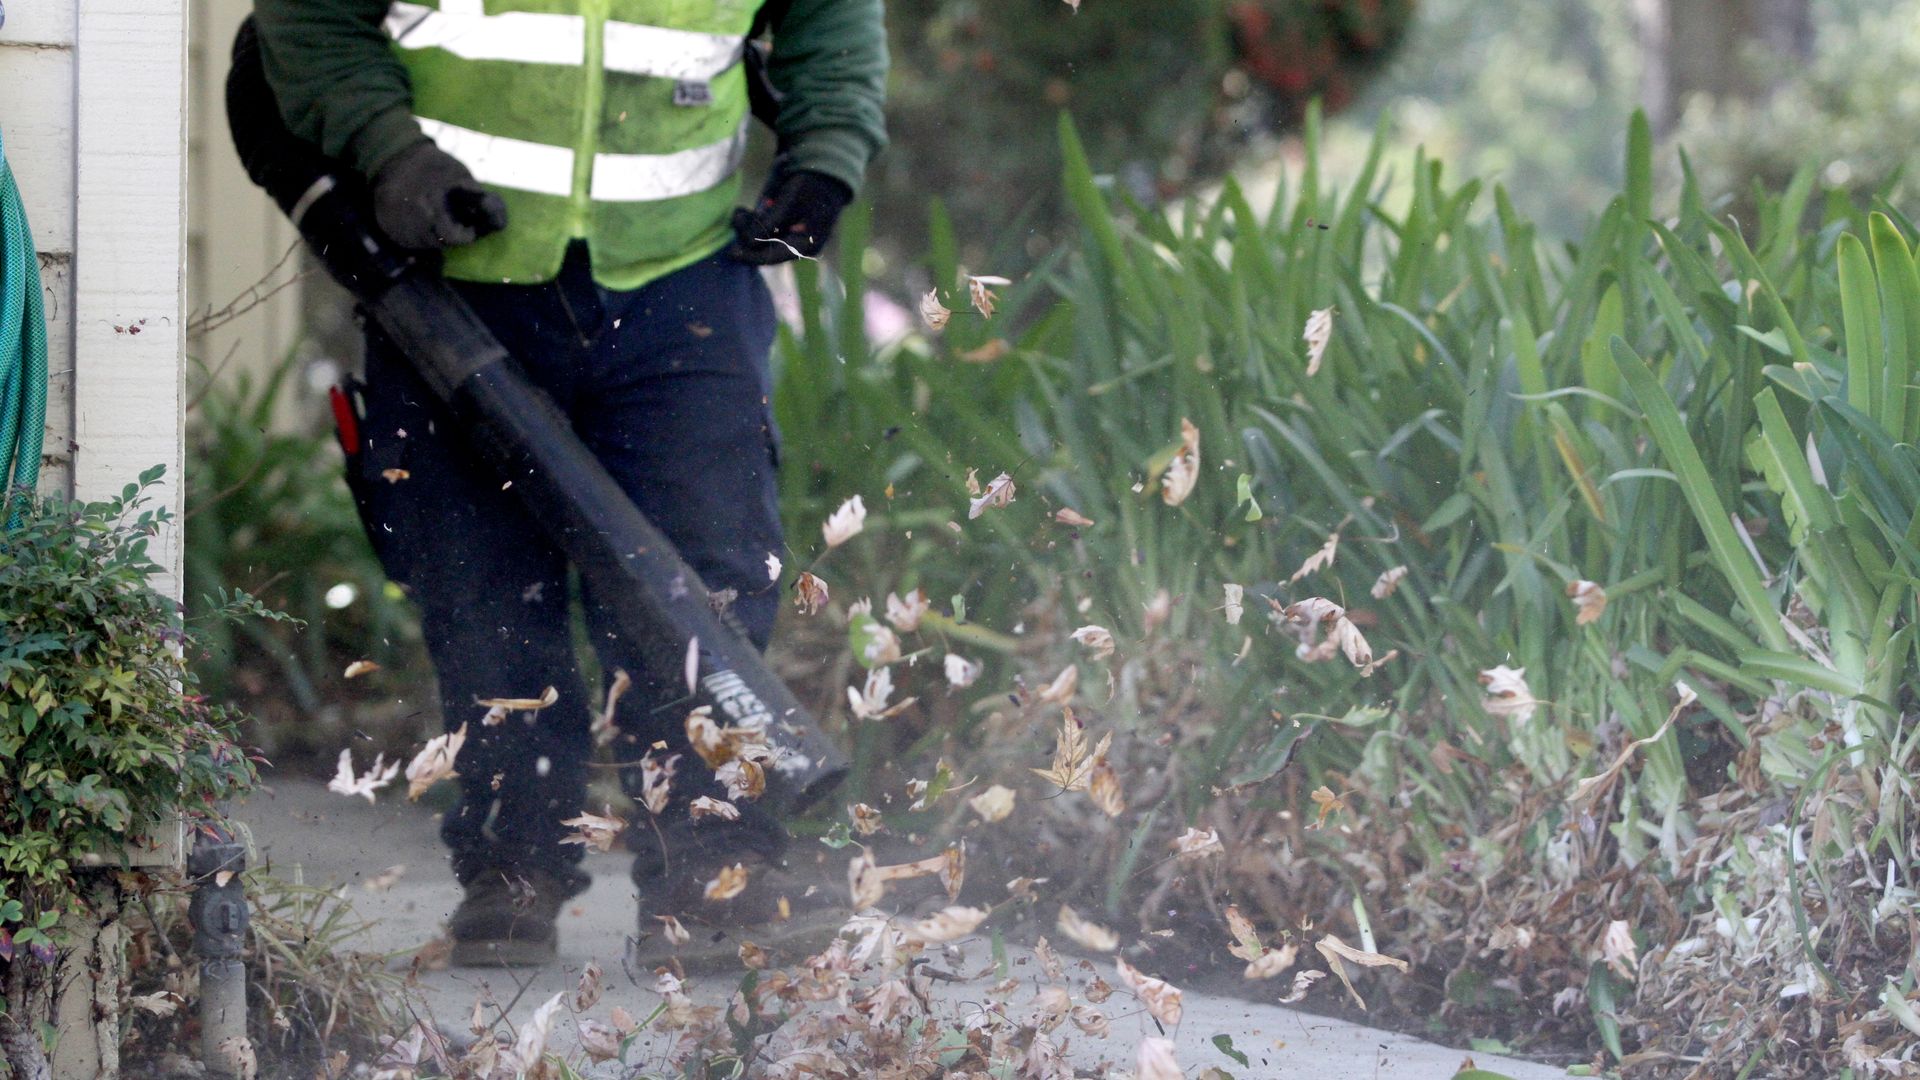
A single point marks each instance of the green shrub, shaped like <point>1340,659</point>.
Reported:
<point>1712,423</point>
<point>102,733</point>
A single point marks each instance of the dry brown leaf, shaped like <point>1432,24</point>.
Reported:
<point>1103,787</point>
<point>1508,693</point>
<point>1090,1020</point>
<point>953,869</point>
<point>361,667</point>
<point>1021,888</point>
<point>1319,560</point>
<point>979,295</point>
<point>993,804</point>
<point>706,806</point>
<point>1301,984</point>
<point>1618,949</point>
<point>604,728</point>
<point>867,882</point>
<point>1183,472</point>
<point>1086,934</point>
<point>1338,954</point>
<point>434,762</point>
<point>592,986</point>
<point>671,929</point>
<point>882,646</point>
<point>1067,515</point>
<point>1061,690</point>
<point>1318,333</point>
<point>1388,583</point>
<point>1272,962</point>
<point>530,1045</point>
<point>1351,642</point>
<point>987,352</point>
<point>1198,844</point>
<point>729,883</point>
<point>1328,804</point>
<point>1246,940</point>
<point>997,496</point>
<point>870,702</point>
<point>961,672</point>
<point>845,523</point>
<point>947,924</point>
<point>1161,998</point>
<point>866,819</point>
<point>377,776</point>
<point>1071,764</point>
<point>522,704</point>
<point>1157,1061</point>
<point>743,778</point>
<point>809,593</point>
<point>1589,601</point>
<point>906,612</point>
<point>656,781</point>
<point>597,832</point>
<point>1591,789</point>
<point>1235,606</point>
<point>1097,639</point>
<point>386,879</point>
<point>933,311</point>
<point>160,1003</point>
<point>599,1040</point>
<point>1367,669</point>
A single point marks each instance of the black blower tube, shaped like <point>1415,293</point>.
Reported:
<point>657,600</point>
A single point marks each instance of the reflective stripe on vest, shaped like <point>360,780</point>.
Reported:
<point>646,177</point>
<point>548,170</point>
<point>538,38</point>
<point>504,162</point>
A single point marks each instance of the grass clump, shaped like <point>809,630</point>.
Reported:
<point>1634,517</point>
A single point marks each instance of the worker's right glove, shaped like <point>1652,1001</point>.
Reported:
<point>425,199</point>
<point>792,220</point>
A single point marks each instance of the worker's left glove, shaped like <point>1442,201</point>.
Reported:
<point>426,200</point>
<point>793,218</point>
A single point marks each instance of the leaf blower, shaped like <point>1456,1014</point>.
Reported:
<point>516,428</point>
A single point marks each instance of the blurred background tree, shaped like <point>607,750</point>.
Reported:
<point>1533,95</point>
<point>1167,93</point>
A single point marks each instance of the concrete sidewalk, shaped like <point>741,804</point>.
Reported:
<point>301,828</point>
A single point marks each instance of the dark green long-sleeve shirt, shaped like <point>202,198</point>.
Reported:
<point>341,86</point>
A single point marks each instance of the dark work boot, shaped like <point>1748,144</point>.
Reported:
<point>506,918</point>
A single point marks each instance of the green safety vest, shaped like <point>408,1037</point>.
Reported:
<point>620,122</point>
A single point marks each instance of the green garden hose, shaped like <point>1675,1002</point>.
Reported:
<point>23,353</point>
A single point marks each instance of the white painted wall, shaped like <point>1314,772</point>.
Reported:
<point>240,253</point>
<point>95,124</point>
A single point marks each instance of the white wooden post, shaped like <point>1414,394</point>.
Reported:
<point>129,308</point>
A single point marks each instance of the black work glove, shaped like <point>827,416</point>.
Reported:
<point>793,218</point>
<point>425,199</point>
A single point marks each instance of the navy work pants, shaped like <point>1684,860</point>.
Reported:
<point>668,386</point>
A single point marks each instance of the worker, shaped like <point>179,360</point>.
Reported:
<point>574,164</point>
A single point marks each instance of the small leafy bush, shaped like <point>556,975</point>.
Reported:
<point>101,733</point>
